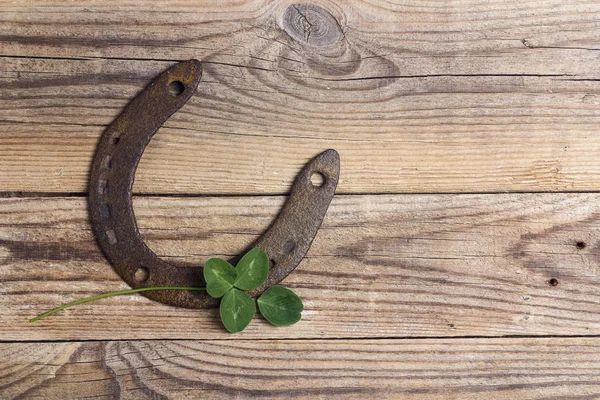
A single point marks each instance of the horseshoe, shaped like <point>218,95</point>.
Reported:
<point>111,211</point>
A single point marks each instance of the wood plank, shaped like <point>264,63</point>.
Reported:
<point>354,369</point>
<point>381,266</point>
<point>464,96</point>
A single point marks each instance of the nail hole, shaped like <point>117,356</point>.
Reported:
<point>553,282</point>
<point>103,186</point>
<point>272,263</point>
<point>289,246</point>
<point>116,140</point>
<point>111,237</point>
<point>107,162</point>
<point>105,214</point>
<point>176,88</point>
<point>141,274</point>
<point>580,245</point>
<point>317,179</point>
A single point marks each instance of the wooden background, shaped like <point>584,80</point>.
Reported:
<point>460,258</point>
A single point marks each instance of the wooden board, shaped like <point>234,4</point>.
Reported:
<point>353,369</point>
<point>381,266</point>
<point>417,97</point>
<point>460,258</point>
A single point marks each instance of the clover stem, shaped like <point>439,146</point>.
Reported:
<point>110,294</point>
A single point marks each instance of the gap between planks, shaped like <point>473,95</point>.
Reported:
<point>333,339</point>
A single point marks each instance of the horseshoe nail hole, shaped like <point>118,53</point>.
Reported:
<point>272,263</point>
<point>103,186</point>
<point>141,274</point>
<point>116,140</point>
<point>289,246</point>
<point>553,282</point>
<point>105,214</point>
<point>107,162</point>
<point>317,179</point>
<point>580,245</point>
<point>176,88</point>
<point>111,237</point>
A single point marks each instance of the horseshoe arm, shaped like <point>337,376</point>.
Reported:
<point>110,198</point>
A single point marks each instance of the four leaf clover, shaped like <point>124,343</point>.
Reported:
<point>279,306</point>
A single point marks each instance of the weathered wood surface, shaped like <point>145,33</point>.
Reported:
<point>381,266</point>
<point>399,289</point>
<point>416,96</point>
<point>354,369</point>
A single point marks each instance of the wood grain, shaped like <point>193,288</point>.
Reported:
<point>467,96</point>
<point>406,295</point>
<point>354,369</point>
<point>381,266</point>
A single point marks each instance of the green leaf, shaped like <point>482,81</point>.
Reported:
<point>252,270</point>
<point>237,310</point>
<point>219,276</point>
<point>280,306</point>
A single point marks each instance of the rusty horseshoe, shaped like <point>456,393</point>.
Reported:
<point>111,211</point>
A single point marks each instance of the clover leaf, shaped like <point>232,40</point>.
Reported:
<point>237,310</point>
<point>252,270</point>
<point>219,276</point>
<point>280,306</point>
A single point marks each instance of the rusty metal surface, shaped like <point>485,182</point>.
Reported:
<point>111,211</point>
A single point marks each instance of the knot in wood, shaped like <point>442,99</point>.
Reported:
<point>312,24</point>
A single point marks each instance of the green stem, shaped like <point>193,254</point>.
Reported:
<point>110,294</point>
